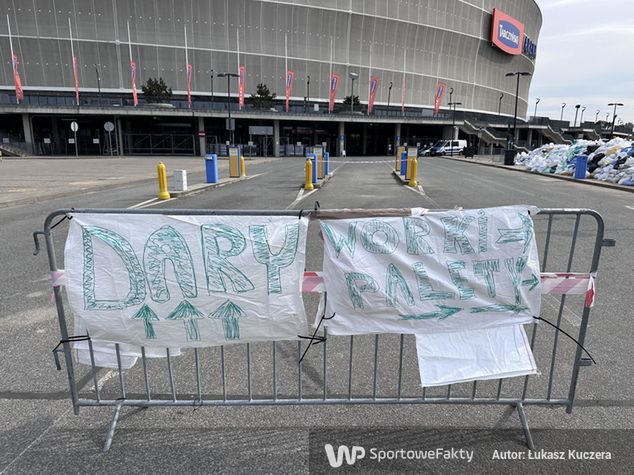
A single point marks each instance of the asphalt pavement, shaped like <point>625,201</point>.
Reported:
<point>41,434</point>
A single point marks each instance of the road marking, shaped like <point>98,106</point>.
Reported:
<point>571,317</point>
<point>630,207</point>
<point>143,203</point>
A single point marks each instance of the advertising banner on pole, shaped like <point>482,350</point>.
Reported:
<point>290,77</point>
<point>334,84</point>
<point>374,87</point>
<point>187,281</point>
<point>241,80</point>
<point>189,85</point>
<point>19,92</point>
<point>76,80</point>
<point>440,90</point>
<point>135,98</point>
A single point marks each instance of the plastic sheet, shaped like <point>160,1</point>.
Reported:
<point>611,161</point>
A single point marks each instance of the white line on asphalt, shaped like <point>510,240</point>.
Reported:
<point>630,207</point>
<point>571,317</point>
<point>143,203</point>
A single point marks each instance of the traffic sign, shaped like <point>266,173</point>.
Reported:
<point>73,126</point>
<point>108,126</point>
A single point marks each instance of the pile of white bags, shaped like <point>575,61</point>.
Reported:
<point>612,161</point>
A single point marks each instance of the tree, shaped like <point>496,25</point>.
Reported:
<point>263,98</point>
<point>155,90</point>
<point>346,101</point>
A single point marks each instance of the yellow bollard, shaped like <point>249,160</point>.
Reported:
<point>162,182</point>
<point>413,172</point>
<point>308,186</point>
<point>243,170</point>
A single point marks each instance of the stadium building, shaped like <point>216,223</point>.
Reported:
<point>411,58</point>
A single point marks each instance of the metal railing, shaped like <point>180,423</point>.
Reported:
<point>367,369</point>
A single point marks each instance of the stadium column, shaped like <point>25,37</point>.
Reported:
<point>202,140</point>
<point>276,138</point>
<point>28,132</point>
<point>529,138</point>
<point>341,139</point>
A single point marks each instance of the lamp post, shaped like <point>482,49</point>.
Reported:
<point>563,105</point>
<point>615,104</point>
<point>229,124</point>
<point>353,77</point>
<point>536,102</point>
<point>211,77</point>
<point>389,94</point>
<point>98,83</point>
<point>517,92</point>
<point>583,109</point>
<point>576,112</point>
<point>450,94</point>
<point>500,104</point>
<point>596,116</point>
<point>307,92</point>
<point>453,117</point>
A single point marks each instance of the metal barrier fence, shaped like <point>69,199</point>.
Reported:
<point>368,369</point>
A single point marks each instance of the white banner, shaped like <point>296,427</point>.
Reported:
<point>439,272</point>
<point>186,281</point>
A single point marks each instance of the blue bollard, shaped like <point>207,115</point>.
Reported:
<point>403,163</point>
<point>581,166</point>
<point>326,164</point>
<point>211,168</point>
<point>314,160</point>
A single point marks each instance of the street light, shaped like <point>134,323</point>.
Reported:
<point>389,93</point>
<point>98,83</point>
<point>353,76</point>
<point>517,92</point>
<point>615,104</point>
<point>450,94</point>
<point>500,104</point>
<point>307,92</point>
<point>576,112</point>
<point>453,117</point>
<point>581,118</point>
<point>536,102</point>
<point>229,124</point>
<point>563,105</point>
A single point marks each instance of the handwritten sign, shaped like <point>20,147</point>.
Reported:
<point>439,272</point>
<point>186,281</point>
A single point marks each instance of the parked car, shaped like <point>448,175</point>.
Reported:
<point>448,147</point>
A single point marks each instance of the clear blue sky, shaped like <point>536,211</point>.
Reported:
<point>585,55</point>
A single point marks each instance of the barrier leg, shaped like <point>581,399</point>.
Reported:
<point>113,426</point>
<point>527,431</point>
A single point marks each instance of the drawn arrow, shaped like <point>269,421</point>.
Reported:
<point>229,313</point>
<point>188,314</point>
<point>445,312</point>
<point>523,234</point>
<point>501,308</point>
<point>532,282</point>
<point>148,316</point>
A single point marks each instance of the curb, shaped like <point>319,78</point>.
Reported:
<point>400,178</point>
<point>195,189</point>
<point>516,168</point>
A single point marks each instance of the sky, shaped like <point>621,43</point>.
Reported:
<point>585,55</point>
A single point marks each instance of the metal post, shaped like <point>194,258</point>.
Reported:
<point>576,114</point>
<point>536,102</point>
<point>211,77</point>
<point>389,93</point>
<point>500,104</point>
<point>517,91</point>
<point>307,93</point>
<point>98,84</point>
<point>563,106</point>
<point>352,96</point>
<point>229,109</point>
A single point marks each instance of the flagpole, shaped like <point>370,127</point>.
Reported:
<point>72,54</point>
<point>403,86</point>
<point>129,42</point>
<point>370,80</point>
<point>330,75</point>
<point>186,55</point>
<point>12,55</point>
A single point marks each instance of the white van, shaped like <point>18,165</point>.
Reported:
<point>449,147</point>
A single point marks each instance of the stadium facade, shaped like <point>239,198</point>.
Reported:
<point>409,47</point>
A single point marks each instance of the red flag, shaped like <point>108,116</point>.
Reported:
<point>135,98</point>
<point>19,93</point>
<point>76,80</point>
<point>374,87</point>
<point>439,93</point>
<point>189,85</point>
<point>334,84</point>
<point>241,87</point>
<point>290,77</point>
<point>403,95</point>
